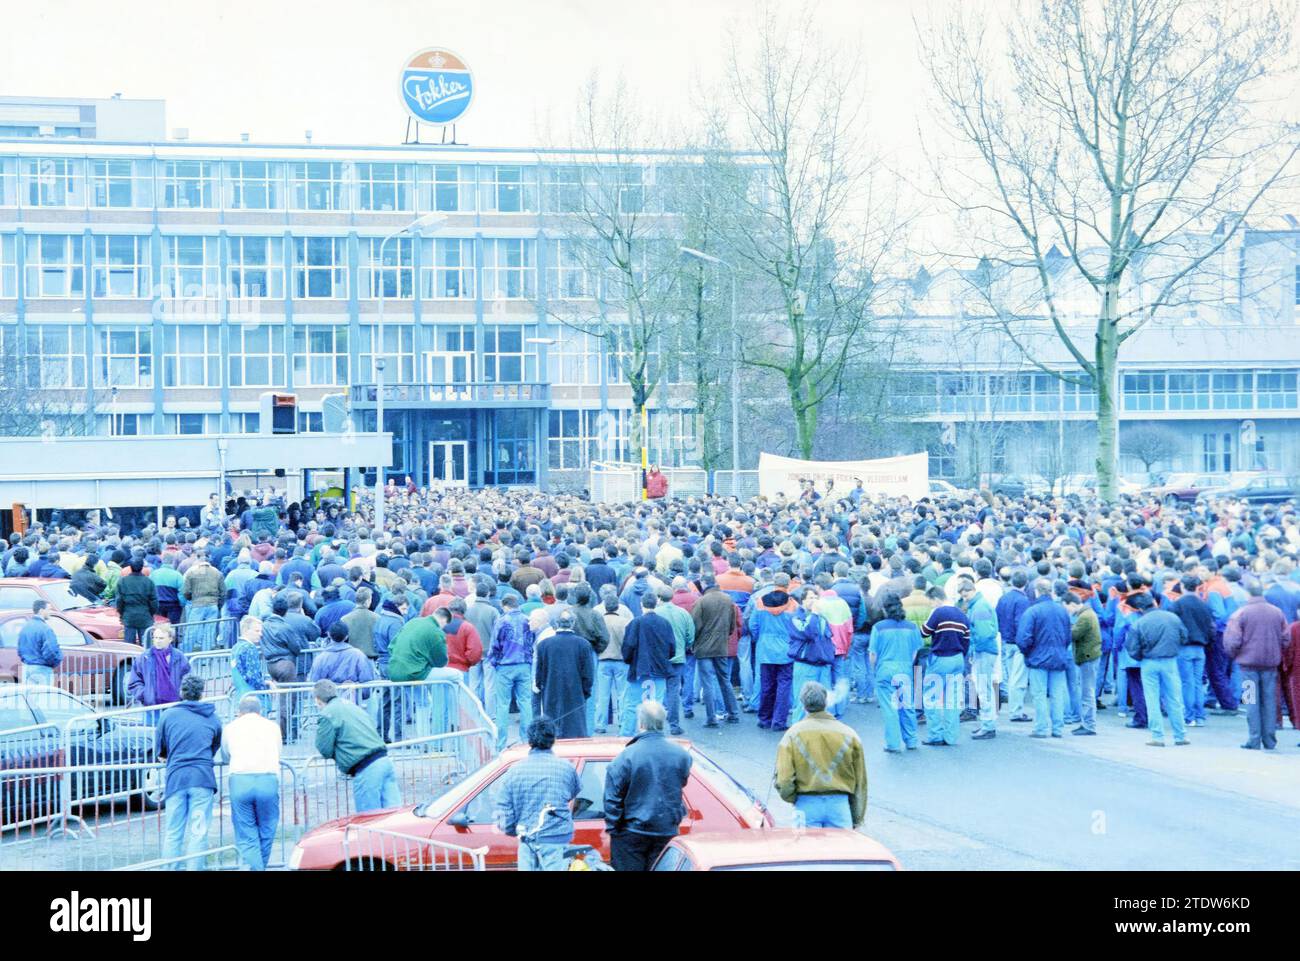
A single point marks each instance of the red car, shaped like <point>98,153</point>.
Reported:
<point>99,621</point>
<point>819,849</point>
<point>462,814</point>
<point>90,667</point>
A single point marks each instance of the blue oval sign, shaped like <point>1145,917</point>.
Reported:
<point>437,86</point>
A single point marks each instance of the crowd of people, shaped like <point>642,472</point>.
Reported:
<point>967,609</point>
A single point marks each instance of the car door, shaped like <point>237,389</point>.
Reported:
<point>472,824</point>
<point>82,668</point>
<point>25,743</point>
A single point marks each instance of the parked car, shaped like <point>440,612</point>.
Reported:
<point>34,720</point>
<point>1085,485</point>
<point>100,621</point>
<point>1260,489</point>
<point>90,667</point>
<point>1017,486</point>
<point>462,814</point>
<point>1185,488</point>
<point>820,849</point>
<point>941,488</point>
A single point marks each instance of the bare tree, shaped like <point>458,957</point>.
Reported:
<point>618,259</point>
<point>29,408</point>
<point>1150,444</point>
<point>810,228</point>
<point>1121,134</point>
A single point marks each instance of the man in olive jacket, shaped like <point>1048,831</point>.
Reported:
<point>821,767</point>
<point>1085,633</point>
<point>137,603</point>
<point>715,618</point>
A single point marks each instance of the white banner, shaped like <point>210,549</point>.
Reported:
<point>908,475</point>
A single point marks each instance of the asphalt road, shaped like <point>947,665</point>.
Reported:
<point>1077,803</point>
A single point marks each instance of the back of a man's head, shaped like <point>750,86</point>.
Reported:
<point>324,690</point>
<point>192,688</point>
<point>651,716</point>
<point>813,697</point>
<point>541,734</point>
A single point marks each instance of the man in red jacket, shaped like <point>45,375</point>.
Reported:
<point>656,484</point>
<point>1255,638</point>
<point>464,646</point>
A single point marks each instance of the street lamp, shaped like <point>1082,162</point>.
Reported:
<point>419,223</point>
<point>735,362</point>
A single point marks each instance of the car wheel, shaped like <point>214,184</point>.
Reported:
<point>117,693</point>
<point>151,789</point>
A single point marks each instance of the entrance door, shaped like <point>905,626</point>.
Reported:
<point>449,463</point>
<point>449,374</point>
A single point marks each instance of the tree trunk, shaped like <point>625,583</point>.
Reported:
<point>1107,362</point>
<point>805,418</point>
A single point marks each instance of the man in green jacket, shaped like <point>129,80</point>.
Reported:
<point>347,734</point>
<point>1086,635</point>
<point>419,647</point>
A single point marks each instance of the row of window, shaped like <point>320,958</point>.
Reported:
<point>119,266</point>
<point>575,438</point>
<point>134,425</point>
<point>1141,390</point>
<point>55,355</point>
<point>340,185</point>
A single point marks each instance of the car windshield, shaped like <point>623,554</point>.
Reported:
<point>810,866</point>
<point>60,595</point>
<point>443,798</point>
<point>732,790</point>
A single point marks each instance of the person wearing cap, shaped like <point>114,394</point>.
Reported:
<point>565,676</point>
<point>1153,641</point>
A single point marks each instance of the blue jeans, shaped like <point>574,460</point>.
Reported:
<point>647,689</point>
<point>943,697</point>
<point>375,788</point>
<point>516,680</point>
<point>1160,679</point>
<point>202,637</point>
<point>864,680</point>
<point>188,813</point>
<point>541,856</point>
<point>255,814</point>
<point>1088,706</point>
<point>894,691</point>
<point>1049,691</point>
<point>983,666</point>
<point>1073,689</point>
<point>690,687</point>
<point>839,686</point>
<point>715,679</point>
<point>611,679</point>
<point>1016,678</point>
<point>803,673</point>
<point>824,810</point>
<point>675,694</point>
<point>748,673</point>
<point>1191,669</point>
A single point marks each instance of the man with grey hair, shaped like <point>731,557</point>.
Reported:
<point>683,642</point>
<point>347,734</point>
<point>565,677</point>
<point>250,745</point>
<point>643,792</point>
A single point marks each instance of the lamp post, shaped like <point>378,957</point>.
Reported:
<point>735,362</point>
<point>428,220</point>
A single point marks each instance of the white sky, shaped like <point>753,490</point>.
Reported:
<point>274,68</point>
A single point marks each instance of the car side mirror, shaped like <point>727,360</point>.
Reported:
<point>459,820</point>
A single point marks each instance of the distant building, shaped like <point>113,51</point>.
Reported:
<point>62,118</point>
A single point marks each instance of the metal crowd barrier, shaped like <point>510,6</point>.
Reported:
<point>205,634</point>
<point>371,849</point>
<point>100,677</point>
<point>90,796</point>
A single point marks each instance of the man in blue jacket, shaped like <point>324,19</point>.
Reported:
<point>648,646</point>
<point>187,737</point>
<point>1044,639</point>
<point>643,792</point>
<point>983,653</point>
<point>38,648</point>
<point>1011,608</point>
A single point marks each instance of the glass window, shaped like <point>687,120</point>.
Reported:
<point>397,271</point>
<point>508,269</point>
<point>447,187</point>
<point>192,356</point>
<point>191,424</point>
<point>631,193</point>
<point>1216,452</point>
<point>674,186</point>
<point>121,266</point>
<point>575,358</point>
<point>569,273</point>
<point>52,182</point>
<point>590,804</point>
<point>188,183</point>
<point>55,267</point>
<point>573,438</point>
<point>508,189</point>
<point>566,187</point>
<point>254,185</point>
<point>123,357</point>
<point>448,269</point>
<point>507,359</point>
<point>384,186</point>
<point>1232,390</point>
<point>320,355</point>
<point>8,265</point>
<point>1275,389</point>
<point>320,267</point>
<point>256,355</point>
<point>399,354</point>
<point>256,267</point>
<point>126,425</point>
<point>56,355</point>
<point>121,183</point>
<point>512,460</point>
<point>672,437</point>
<point>318,186</point>
<point>191,267</point>
<point>310,422</point>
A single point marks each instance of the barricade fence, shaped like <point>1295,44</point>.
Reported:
<point>200,634</point>
<point>90,796</point>
<point>372,849</point>
<point>611,482</point>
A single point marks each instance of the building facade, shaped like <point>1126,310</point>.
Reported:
<point>161,287</point>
